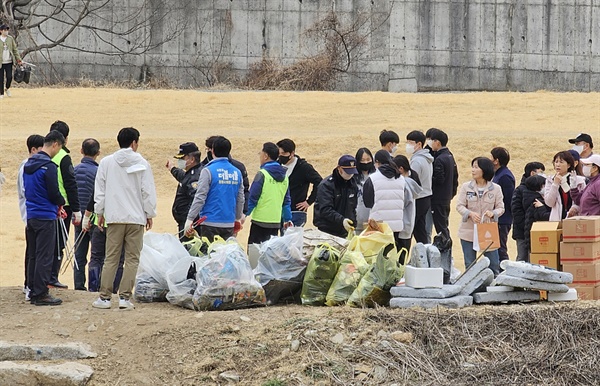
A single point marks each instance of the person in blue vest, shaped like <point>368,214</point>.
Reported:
<point>219,196</point>
<point>269,203</point>
<point>43,200</point>
<point>68,188</point>
<point>503,177</point>
<point>85,175</point>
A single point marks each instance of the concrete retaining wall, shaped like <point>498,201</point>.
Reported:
<point>415,45</point>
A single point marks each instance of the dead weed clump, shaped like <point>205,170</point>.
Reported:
<point>550,345</point>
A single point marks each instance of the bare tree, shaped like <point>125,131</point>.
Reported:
<point>112,27</point>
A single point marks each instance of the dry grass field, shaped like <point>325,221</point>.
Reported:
<point>163,344</point>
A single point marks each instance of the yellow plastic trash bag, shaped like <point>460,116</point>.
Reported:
<point>320,272</point>
<point>374,287</point>
<point>197,246</point>
<point>352,268</point>
<point>371,241</point>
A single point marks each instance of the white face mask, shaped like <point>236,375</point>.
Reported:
<point>410,149</point>
<point>429,142</point>
<point>394,149</point>
<point>578,148</point>
<point>181,163</point>
<point>587,170</point>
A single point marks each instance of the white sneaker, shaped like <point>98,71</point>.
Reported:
<point>101,303</point>
<point>26,291</point>
<point>8,94</point>
<point>126,304</point>
<point>1,96</point>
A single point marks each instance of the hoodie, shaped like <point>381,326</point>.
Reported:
<point>124,189</point>
<point>270,203</point>
<point>422,162</point>
<point>40,180</point>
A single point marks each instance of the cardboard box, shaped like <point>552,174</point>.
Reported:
<point>578,253</point>
<point>545,237</point>
<point>583,274</point>
<point>581,229</point>
<point>549,260</point>
<point>588,293</point>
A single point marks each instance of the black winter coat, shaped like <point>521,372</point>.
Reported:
<point>302,177</point>
<point>444,181</point>
<point>336,200</point>
<point>533,214</point>
<point>518,212</point>
<point>186,190</point>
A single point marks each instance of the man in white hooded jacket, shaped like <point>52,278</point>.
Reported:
<point>125,199</point>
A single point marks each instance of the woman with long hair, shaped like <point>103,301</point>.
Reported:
<point>365,166</point>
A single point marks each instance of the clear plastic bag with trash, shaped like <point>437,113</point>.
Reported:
<point>181,279</point>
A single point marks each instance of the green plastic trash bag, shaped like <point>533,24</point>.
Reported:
<point>320,272</point>
<point>352,268</point>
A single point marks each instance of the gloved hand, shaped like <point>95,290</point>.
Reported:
<point>237,227</point>
<point>188,229</point>
<point>573,180</point>
<point>76,218</point>
<point>287,225</point>
<point>85,223</point>
<point>347,223</point>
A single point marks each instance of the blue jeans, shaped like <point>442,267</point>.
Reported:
<point>470,255</point>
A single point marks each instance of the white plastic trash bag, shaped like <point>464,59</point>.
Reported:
<point>281,258</point>
<point>181,279</point>
<point>226,281</point>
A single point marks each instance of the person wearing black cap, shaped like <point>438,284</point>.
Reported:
<point>187,173</point>
<point>335,207</point>
<point>583,145</point>
<point>10,55</point>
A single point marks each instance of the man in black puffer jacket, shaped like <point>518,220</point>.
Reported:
<point>335,207</point>
<point>518,210</point>
<point>444,181</point>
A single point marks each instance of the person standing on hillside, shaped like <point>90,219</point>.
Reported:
<point>335,208</point>
<point>10,55</point>
<point>187,174</point>
<point>444,181</point>
<point>68,188</point>
<point>506,180</point>
<point>301,175</point>
<point>43,201</point>
<point>421,161</point>
<point>85,175</point>
<point>125,199</point>
<point>219,196</point>
<point>269,202</point>
<point>240,166</point>
<point>35,143</point>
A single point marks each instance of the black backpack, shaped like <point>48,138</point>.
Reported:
<point>22,73</point>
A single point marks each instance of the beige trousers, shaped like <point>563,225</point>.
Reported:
<point>130,236</point>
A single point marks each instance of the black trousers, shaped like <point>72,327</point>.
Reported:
<point>400,244</point>
<point>441,216</point>
<point>81,257</point>
<point>42,236</point>
<point>260,234</point>
<point>210,232</point>
<point>422,206</point>
<point>59,250</point>
<point>6,69</point>
<point>503,230</point>
<point>28,251</point>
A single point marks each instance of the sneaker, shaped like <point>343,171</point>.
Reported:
<point>126,304</point>
<point>47,300</point>
<point>101,303</point>
<point>8,94</point>
<point>58,285</point>
<point>1,96</point>
<point>27,291</point>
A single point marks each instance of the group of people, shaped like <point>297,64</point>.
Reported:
<point>111,203</point>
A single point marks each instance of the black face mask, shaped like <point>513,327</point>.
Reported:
<point>364,167</point>
<point>283,159</point>
<point>209,155</point>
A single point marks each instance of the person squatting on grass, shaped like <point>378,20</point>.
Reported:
<point>43,201</point>
<point>126,201</point>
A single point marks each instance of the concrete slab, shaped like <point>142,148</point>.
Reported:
<point>31,352</point>
<point>535,272</point>
<point>564,297</point>
<point>423,277</point>
<point>453,302</point>
<point>473,271</point>
<point>427,293</point>
<point>65,374</point>
<point>418,256</point>
<point>434,257</point>
<point>505,297</point>
<point>518,282</point>
<point>484,278</point>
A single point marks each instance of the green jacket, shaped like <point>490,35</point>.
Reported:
<point>12,48</point>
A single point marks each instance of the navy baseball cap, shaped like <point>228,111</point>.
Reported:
<point>185,149</point>
<point>348,163</point>
<point>582,137</point>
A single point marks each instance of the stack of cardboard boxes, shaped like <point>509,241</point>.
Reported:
<point>545,244</point>
<point>580,254</point>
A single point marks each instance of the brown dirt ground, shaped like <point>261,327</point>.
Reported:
<point>159,343</point>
